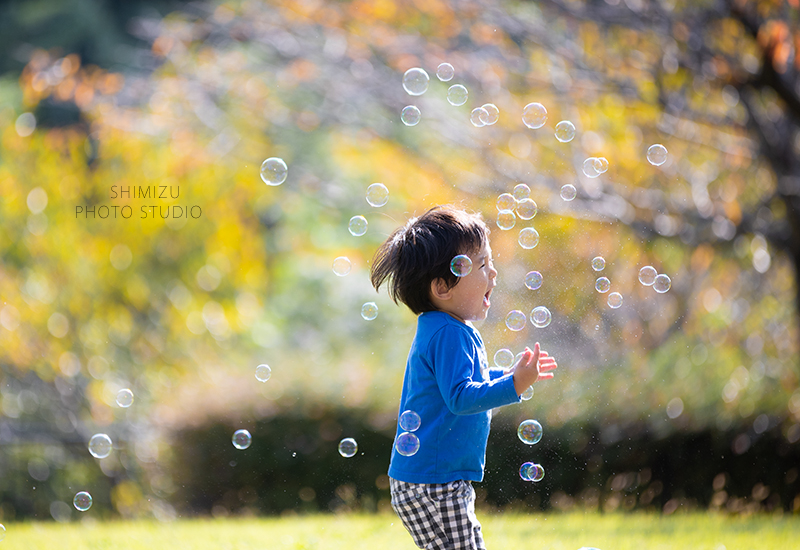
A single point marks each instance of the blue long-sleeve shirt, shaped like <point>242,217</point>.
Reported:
<point>449,384</point>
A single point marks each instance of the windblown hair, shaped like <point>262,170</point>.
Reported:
<point>421,251</point>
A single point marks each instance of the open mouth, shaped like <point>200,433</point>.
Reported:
<point>486,296</point>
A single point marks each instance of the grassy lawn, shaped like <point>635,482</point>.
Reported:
<point>384,532</point>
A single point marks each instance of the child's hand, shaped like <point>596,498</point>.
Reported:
<point>532,366</point>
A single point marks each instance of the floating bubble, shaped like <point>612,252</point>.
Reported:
<point>125,398</point>
<point>529,432</point>
<point>533,280</point>
<point>477,115</point>
<point>527,395</point>
<point>369,311</point>
<point>541,317</point>
<point>590,166</point>
<point>537,473</point>
<point>515,320</point>
<point>410,115</point>
<point>527,209</point>
<point>407,444</point>
<point>415,81</point>
<point>457,95</point>
<point>274,171</point>
<point>647,275</point>
<point>534,115</point>
<point>357,226</point>
<point>342,266</point>
<point>241,439</point>
<point>602,285</point>
<point>598,263</point>
<point>528,238</point>
<point>2,531</point>
<point>615,300</point>
<point>526,471</point>
<point>461,265</point>
<point>348,447</point>
<point>410,421</point>
<point>492,113</point>
<point>82,501</point>
<point>657,154</point>
<point>506,201</point>
<point>445,72</point>
<point>601,163</point>
<point>100,446</point>
<point>377,195</point>
<point>568,192</point>
<point>506,219</point>
<point>662,283</point>
<point>521,191</point>
<point>565,131</point>
<point>263,372</point>
<point>504,358</point>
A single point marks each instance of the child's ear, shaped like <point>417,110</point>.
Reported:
<point>440,290</point>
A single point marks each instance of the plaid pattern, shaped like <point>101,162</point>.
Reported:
<point>439,516</point>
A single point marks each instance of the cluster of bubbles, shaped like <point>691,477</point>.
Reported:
<point>594,166</point>
<point>485,115</point>
<point>407,443</point>
<point>274,171</point>
<point>519,204</point>
<point>530,471</point>
<point>504,358</point>
<point>242,439</point>
<point>348,447</point>
<point>603,284</point>
<point>530,433</point>
<point>660,282</point>
<point>82,501</point>
<point>540,317</point>
<point>263,372</point>
<point>369,311</point>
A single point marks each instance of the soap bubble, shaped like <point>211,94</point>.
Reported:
<point>602,285</point>
<point>457,95</point>
<point>492,113</point>
<point>533,280</point>
<point>2,531</point>
<point>504,358</point>
<point>415,81</point>
<point>377,195</point>
<point>528,238</point>
<point>407,444</point>
<point>369,311</point>
<point>527,394</point>
<point>410,421</point>
<point>526,471</point>
<point>601,163</point>
<point>615,300</point>
<point>534,115</point>
<point>506,201</point>
<point>477,116</point>
<point>657,154</point>
<point>241,439</point>
<point>342,266</point>
<point>125,398</point>
<point>529,432</point>
<point>662,283</point>
<point>537,473</point>
<point>461,265</point>
<point>647,275</point>
<point>348,447</point>
<point>515,320</point>
<point>565,131</point>
<point>82,501</point>
<point>410,115</point>
<point>521,191</point>
<point>591,167</point>
<point>527,209</point>
<point>598,263</point>
<point>540,317</point>
<point>100,446</point>
<point>506,219</point>
<point>445,72</point>
<point>357,226</point>
<point>263,372</point>
<point>568,192</point>
<point>274,171</point>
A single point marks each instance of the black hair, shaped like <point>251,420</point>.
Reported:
<point>421,251</point>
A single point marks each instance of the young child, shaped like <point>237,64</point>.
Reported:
<point>447,380</point>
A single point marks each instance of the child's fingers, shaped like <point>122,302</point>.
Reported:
<point>546,375</point>
<point>547,367</point>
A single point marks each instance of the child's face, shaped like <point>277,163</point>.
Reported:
<point>469,299</point>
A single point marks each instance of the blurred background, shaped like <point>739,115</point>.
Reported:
<point>684,399</point>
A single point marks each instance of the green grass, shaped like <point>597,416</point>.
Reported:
<point>571,531</point>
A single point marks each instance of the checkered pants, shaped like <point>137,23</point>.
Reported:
<point>439,516</point>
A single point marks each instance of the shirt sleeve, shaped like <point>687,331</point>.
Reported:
<point>455,362</point>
